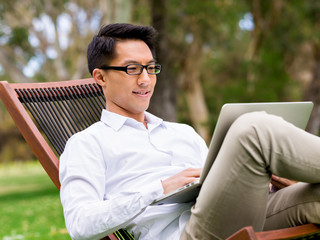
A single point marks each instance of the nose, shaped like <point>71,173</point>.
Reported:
<point>144,78</point>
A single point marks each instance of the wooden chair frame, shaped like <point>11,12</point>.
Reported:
<point>307,231</point>
<point>27,127</point>
<point>50,162</point>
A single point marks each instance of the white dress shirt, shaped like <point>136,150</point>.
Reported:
<point>112,171</point>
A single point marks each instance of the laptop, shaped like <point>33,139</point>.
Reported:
<point>298,113</point>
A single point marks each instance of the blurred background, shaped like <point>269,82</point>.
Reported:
<point>212,52</point>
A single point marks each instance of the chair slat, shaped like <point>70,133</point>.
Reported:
<point>61,111</point>
<point>48,119</point>
<point>67,117</point>
<point>57,129</point>
<point>97,89</point>
<point>70,107</point>
<point>35,110</point>
<point>94,102</point>
<point>86,100</point>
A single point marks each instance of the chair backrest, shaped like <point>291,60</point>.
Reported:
<point>49,113</point>
<point>58,109</point>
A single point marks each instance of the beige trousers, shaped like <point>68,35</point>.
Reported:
<point>236,194</point>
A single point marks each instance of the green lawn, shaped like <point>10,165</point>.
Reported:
<point>30,207</point>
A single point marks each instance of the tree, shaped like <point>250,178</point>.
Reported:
<point>265,17</point>
<point>193,32</point>
<point>208,57</point>
<point>50,38</point>
<point>53,36</point>
<point>163,102</point>
<point>288,30</point>
<point>311,18</point>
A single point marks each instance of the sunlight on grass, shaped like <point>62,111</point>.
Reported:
<point>30,204</point>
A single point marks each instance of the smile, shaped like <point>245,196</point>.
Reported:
<point>141,93</point>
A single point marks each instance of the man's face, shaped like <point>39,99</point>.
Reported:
<point>129,95</point>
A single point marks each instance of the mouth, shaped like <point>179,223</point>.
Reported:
<point>141,93</point>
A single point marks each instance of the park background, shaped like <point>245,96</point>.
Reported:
<point>212,52</point>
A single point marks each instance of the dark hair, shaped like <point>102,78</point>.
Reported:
<point>101,49</point>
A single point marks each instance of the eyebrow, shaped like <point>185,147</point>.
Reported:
<point>136,62</point>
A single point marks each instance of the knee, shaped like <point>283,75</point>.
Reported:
<point>258,118</point>
<point>258,121</point>
<point>254,122</point>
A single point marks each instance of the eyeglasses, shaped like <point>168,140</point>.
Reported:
<point>136,69</point>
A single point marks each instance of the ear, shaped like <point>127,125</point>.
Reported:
<point>99,76</point>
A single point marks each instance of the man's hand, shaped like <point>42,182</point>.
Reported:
<point>280,183</point>
<point>179,180</point>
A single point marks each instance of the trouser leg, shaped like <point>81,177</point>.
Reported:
<point>292,206</point>
<point>235,191</point>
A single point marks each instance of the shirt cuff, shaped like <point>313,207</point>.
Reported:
<point>152,191</point>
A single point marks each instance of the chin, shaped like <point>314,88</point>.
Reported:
<point>143,108</point>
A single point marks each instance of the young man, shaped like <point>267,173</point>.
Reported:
<point>111,172</point>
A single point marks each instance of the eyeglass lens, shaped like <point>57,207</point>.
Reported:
<point>137,68</point>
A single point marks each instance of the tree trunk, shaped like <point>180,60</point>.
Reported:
<point>313,94</point>
<point>163,103</point>
<point>263,22</point>
<point>191,84</point>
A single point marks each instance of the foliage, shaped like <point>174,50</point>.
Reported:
<point>30,204</point>
<point>273,57</point>
<point>243,65</point>
<point>12,145</point>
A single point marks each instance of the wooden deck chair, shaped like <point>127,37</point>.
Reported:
<point>48,114</point>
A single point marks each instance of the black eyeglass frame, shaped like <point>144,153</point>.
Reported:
<point>125,68</point>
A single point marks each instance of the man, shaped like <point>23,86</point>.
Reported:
<point>111,172</point>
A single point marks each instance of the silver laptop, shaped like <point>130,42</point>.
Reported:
<point>298,113</point>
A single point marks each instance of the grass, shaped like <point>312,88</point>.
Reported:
<point>29,204</point>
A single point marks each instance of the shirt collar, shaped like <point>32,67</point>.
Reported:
<point>153,121</point>
<point>116,121</point>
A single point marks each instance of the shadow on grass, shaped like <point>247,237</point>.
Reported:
<point>28,194</point>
